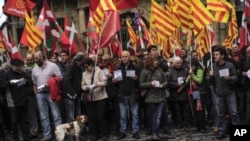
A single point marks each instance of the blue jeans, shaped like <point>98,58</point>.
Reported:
<point>72,108</point>
<point>44,102</point>
<point>125,106</point>
<point>156,110</point>
<point>220,104</point>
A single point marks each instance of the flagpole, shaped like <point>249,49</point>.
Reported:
<point>210,45</point>
<point>99,40</point>
<point>87,52</point>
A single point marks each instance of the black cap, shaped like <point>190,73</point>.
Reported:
<point>150,47</point>
<point>16,62</point>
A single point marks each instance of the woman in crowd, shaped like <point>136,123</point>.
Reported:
<point>96,108</point>
<point>195,77</point>
<point>152,78</point>
<point>179,94</point>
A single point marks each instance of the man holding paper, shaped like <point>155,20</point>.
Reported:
<point>224,75</point>
<point>41,73</point>
<point>126,78</point>
<point>16,82</point>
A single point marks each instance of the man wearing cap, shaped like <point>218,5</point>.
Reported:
<point>41,73</point>
<point>16,81</point>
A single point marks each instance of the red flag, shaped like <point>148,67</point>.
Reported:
<point>120,4</point>
<point>245,25</point>
<point>116,46</point>
<point>18,7</point>
<point>14,54</point>
<point>111,26</point>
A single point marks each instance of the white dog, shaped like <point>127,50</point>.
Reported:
<point>72,128</point>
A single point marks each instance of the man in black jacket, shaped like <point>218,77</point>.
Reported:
<point>72,87</point>
<point>17,81</point>
<point>223,75</point>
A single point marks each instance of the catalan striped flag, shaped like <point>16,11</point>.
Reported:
<point>184,12</point>
<point>220,9</point>
<point>202,42</point>
<point>163,21</point>
<point>99,15</point>
<point>34,36</point>
<point>3,42</point>
<point>219,5</point>
<point>232,32</point>
<point>132,35</point>
<point>201,16</point>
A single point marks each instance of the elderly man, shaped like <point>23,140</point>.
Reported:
<point>41,73</point>
<point>128,94</point>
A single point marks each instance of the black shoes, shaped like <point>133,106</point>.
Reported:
<point>149,132</point>
<point>220,136</point>
<point>136,135</point>
<point>121,136</point>
<point>167,132</point>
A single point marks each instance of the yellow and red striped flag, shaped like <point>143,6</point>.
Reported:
<point>163,21</point>
<point>221,16</point>
<point>99,15</point>
<point>219,5</point>
<point>202,42</point>
<point>201,16</point>
<point>131,33</point>
<point>33,35</point>
<point>184,12</point>
<point>232,32</point>
<point>220,8</point>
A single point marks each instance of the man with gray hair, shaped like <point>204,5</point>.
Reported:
<point>41,73</point>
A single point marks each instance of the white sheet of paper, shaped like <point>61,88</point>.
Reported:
<point>14,81</point>
<point>180,80</point>
<point>248,73</point>
<point>130,73</point>
<point>41,87</point>
<point>224,72</point>
<point>157,83</point>
<point>118,75</point>
<point>105,71</point>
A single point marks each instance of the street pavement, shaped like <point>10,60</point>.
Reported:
<point>183,134</point>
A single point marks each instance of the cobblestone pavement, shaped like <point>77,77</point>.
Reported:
<point>184,134</point>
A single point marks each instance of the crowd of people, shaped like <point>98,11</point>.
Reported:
<point>140,91</point>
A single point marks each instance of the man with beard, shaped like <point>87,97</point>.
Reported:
<point>16,81</point>
<point>41,73</point>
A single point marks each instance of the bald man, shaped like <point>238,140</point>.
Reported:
<point>128,94</point>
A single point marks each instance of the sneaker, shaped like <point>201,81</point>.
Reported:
<point>136,135</point>
<point>121,136</point>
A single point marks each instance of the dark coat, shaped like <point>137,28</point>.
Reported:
<point>72,80</point>
<point>128,86</point>
<point>19,94</point>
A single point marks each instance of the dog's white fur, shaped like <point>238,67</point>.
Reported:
<point>73,128</point>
